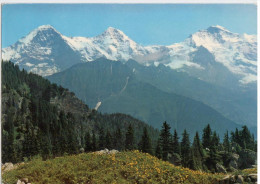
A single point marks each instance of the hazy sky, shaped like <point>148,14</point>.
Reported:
<point>146,24</point>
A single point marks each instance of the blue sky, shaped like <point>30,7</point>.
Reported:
<point>146,24</point>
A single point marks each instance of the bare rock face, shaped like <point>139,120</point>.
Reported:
<point>8,166</point>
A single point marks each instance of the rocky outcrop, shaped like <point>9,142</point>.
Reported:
<point>23,181</point>
<point>235,179</point>
<point>234,161</point>
<point>106,151</point>
<point>247,159</point>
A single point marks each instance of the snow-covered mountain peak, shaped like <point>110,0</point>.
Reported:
<point>113,34</point>
<point>41,33</point>
<point>44,27</point>
<point>217,29</point>
<point>45,48</point>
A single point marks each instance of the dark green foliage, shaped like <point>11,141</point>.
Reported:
<point>197,153</point>
<point>87,142</point>
<point>102,139</point>
<point>226,143</point>
<point>165,141</point>
<point>145,143</point>
<point>118,140</point>
<point>206,137</point>
<point>185,149</point>
<point>175,143</point>
<point>94,142</point>
<point>129,138</point>
<point>158,150</point>
<point>40,118</point>
<point>108,139</point>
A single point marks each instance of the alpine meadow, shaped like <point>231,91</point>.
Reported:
<point>129,93</point>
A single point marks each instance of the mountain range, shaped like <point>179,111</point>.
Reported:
<point>215,54</point>
<point>213,70</point>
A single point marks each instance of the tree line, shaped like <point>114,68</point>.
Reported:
<point>31,126</point>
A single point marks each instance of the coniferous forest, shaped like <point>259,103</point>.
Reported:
<point>43,119</point>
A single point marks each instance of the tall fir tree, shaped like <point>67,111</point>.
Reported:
<point>175,143</point>
<point>129,138</point>
<point>87,142</point>
<point>226,143</point>
<point>145,143</point>
<point>102,139</point>
<point>108,144</point>
<point>165,141</point>
<point>118,140</point>
<point>94,146</point>
<point>185,149</point>
<point>197,153</point>
<point>158,150</point>
<point>207,137</point>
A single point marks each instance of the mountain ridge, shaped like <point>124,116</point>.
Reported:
<point>117,88</point>
<point>237,53</point>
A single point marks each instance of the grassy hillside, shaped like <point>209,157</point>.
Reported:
<point>123,167</point>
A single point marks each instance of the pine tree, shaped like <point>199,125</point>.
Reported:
<point>226,143</point>
<point>207,137</point>
<point>129,138</point>
<point>87,142</point>
<point>118,140</point>
<point>102,139</point>
<point>158,151</point>
<point>197,153</point>
<point>94,142</point>
<point>185,149</point>
<point>108,140</point>
<point>145,143</point>
<point>165,136</point>
<point>246,139</point>
<point>215,140</point>
<point>175,143</point>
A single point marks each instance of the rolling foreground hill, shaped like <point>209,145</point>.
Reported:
<point>125,167</point>
<point>116,87</point>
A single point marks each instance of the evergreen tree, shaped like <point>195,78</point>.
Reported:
<point>129,138</point>
<point>108,140</point>
<point>102,139</point>
<point>215,140</point>
<point>226,143</point>
<point>175,143</point>
<point>94,142</point>
<point>158,151</point>
<point>246,139</point>
<point>87,142</point>
<point>185,149</point>
<point>207,137</point>
<point>197,153</point>
<point>145,143</point>
<point>118,140</point>
<point>165,136</point>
